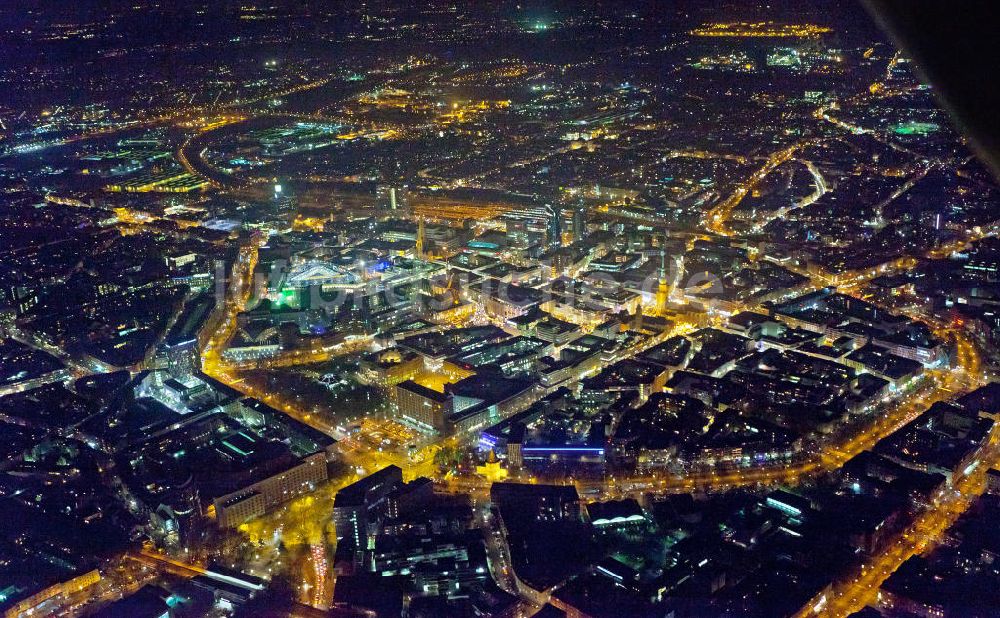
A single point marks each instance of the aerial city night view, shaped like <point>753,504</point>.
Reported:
<point>434,308</point>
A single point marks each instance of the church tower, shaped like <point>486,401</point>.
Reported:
<point>663,288</point>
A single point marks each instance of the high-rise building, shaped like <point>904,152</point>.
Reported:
<point>183,359</point>
<point>22,299</point>
<point>554,214</point>
<point>579,224</point>
<point>180,352</point>
<point>359,504</point>
<point>540,502</point>
<point>392,197</point>
<point>284,203</point>
<point>421,406</point>
<point>257,498</point>
<point>518,235</point>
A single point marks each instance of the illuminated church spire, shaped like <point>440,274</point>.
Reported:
<point>420,237</point>
<point>663,288</point>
